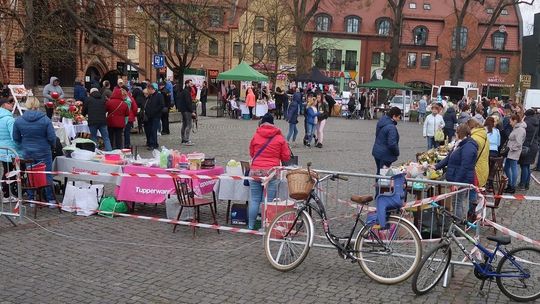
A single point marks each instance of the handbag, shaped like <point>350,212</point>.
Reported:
<point>246,182</point>
<point>504,149</point>
<point>439,135</point>
<point>291,162</point>
<point>524,151</point>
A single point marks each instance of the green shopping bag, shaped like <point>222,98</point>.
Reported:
<point>110,204</point>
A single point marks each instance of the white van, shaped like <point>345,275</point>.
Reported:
<point>532,99</point>
<point>455,93</point>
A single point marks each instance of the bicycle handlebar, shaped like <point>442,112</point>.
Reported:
<point>455,218</point>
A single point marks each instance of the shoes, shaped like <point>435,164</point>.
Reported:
<point>165,133</point>
<point>535,169</point>
<point>149,148</point>
<point>55,206</point>
<point>158,133</point>
<point>294,145</point>
<point>188,143</point>
<point>523,187</point>
<point>308,145</point>
<point>510,190</point>
<point>318,145</point>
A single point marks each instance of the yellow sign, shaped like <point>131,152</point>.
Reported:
<point>525,80</point>
<point>353,74</point>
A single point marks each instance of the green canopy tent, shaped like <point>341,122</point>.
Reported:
<point>243,72</point>
<point>388,84</point>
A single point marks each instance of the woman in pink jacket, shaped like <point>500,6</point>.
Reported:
<point>251,101</point>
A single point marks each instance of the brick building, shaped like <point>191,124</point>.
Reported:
<point>426,43</point>
<point>90,61</point>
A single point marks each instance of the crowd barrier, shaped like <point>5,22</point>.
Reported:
<point>336,196</point>
<point>10,208</point>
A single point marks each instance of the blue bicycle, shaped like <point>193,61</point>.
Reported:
<point>517,274</point>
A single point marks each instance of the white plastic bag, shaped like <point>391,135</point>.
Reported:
<point>82,197</point>
<point>234,168</point>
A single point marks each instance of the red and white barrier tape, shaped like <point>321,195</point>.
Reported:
<point>512,233</point>
<point>516,197</point>
<point>157,219</point>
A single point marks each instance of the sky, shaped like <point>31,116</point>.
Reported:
<point>528,16</point>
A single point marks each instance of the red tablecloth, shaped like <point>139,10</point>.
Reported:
<point>155,190</point>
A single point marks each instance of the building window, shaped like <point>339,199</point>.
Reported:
<point>259,23</point>
<point>258,51</point>
<point>411,60</point>
<point>504,12</point>
<point>463,38</point>
<point>427,6</point>
<point>291,53</point>
<point>498,40</point>
<point>335,60</point>
<point>383,27</point>
<point>352,24</point>
<point>272,52</point>
<point>425,60</point>
<point>179,46</point>
<point>420,34</point>
<point>504,65</point>
<point>237,49</point>
<point>213,48</point>
<point>350,60</point>
<point>131,42</point>
<point>490,64</point>
<point>272,25</point>
<point>216,17</point>
<point>163,43</point>
<point>322,23</point>
<point>489,10</point>
<point>375,58</point>
<point>320,58</point>
<point>412,5</point>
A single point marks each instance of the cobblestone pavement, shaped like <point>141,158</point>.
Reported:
<point>69,259</point>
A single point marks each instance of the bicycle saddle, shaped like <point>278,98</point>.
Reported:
<point>500,239</point>
<point>362,199</point>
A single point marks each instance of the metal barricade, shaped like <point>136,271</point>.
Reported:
<point>11,207</point>
<point>430,225</point>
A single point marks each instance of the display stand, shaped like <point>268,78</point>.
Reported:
<point>18,91</point>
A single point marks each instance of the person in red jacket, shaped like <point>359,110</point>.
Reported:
<point>133,109</point>
<point>268,148</point>
<point>117,112</point>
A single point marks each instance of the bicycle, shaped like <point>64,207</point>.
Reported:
<point>387,255</point>
<point>513,273</point>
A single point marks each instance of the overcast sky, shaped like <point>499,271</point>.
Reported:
<point>528,16</point>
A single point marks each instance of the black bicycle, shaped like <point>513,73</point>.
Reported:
<point>517,273</point>
<point>388,255</point>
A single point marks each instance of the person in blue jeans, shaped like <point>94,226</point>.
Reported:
<point>94,108</point>
<point>34,132</point>
<point>267,150</point>
<point>528,154</point>
<point>292,118</point>
<point>311,119</point>
<point>515,145</point>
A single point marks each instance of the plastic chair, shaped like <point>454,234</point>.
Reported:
<point>187,199</point>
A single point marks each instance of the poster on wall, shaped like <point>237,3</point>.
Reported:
<point>197,81</point>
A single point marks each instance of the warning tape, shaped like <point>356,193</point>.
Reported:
<point>512,233</point>
<point>517,197</point>
<point>156,219</point>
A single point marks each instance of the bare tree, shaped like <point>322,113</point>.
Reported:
<point>461,53</point>
<point>396,6</point>
<point>302,12</point>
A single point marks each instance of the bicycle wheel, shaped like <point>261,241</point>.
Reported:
<point>520,270</point>
<point>286,243</point>
<point>389,256</point>
<point>431,269</point>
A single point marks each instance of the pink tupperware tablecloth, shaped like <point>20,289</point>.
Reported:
<point>155,190</point>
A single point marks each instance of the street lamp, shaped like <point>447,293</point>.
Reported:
<point>437,58</point>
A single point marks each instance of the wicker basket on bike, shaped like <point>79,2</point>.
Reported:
<point>300,183</point>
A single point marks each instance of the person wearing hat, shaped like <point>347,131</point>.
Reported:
<point>6,140</point>
<point>167,105</point>
<point>152,116</point>
<point>267,150</point>
<point>94,109</point>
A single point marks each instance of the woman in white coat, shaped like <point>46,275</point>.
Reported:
<point>433,122</point>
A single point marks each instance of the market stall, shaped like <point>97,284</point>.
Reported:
<point>387,84</point>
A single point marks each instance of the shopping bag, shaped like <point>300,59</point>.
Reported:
<point>439,135</point>
<point>109,204</point>
<point>82,197</point>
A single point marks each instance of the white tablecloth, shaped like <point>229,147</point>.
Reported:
<point>234,190</point>
<point>62,163</point>
<point>261,109</point>
<point>244,108</point>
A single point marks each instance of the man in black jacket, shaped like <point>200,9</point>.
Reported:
<point>165,115</point>
<point>184,104</point>
<point>94,107</point>
<point>153,109</point>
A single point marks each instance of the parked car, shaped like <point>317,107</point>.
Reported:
<point>397,101</point>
